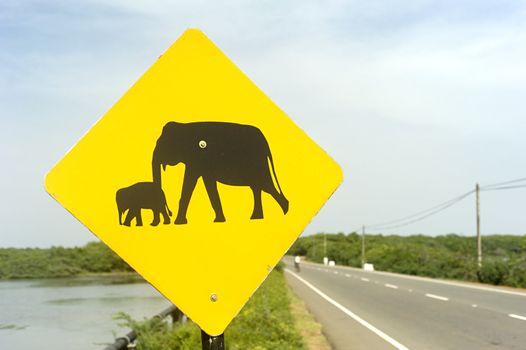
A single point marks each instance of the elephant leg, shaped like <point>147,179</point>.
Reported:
<point>120,217</point>
<point>138,217</point>
<point>213,195</point>
<point>156,217</point>
<point>278,197</point>
<point>129,217</point>
<point>189,183</point>
<point>283,202</point>
<point>166,218</point>
<point>257,213</point>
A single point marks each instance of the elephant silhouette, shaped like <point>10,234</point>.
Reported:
<point>142,195</point>
<point>229,153</point>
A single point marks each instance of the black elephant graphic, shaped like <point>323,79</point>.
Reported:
<point>229,153</point>
<point>142,195</point>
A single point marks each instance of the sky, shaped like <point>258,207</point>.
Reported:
<point>417,100</point>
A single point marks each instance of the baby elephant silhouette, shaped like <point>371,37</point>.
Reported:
<point>142,195</point>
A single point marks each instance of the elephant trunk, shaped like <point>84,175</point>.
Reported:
<point>162,156</point>
<point>156,169</point>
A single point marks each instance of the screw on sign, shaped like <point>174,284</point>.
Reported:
<point>194,136</point>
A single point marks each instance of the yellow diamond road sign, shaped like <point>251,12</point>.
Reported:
<point>197,180</point>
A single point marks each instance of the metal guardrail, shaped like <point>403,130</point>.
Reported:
<point>127,341</point>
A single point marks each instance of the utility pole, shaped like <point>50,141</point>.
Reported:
<point>324,244</point>
<point>479,241</point>
<point>363,245</point>
<point>325,260</point>
<point>314,248</point>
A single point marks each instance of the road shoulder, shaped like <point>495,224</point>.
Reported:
<point>337,327</point>
<point>306,324</point>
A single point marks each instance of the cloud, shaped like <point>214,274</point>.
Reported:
<point>417,100</point>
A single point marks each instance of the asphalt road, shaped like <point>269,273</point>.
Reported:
<point>376,310</point>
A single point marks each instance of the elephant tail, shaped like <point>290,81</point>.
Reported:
<point>274,172</point>
<point>281,199</point>
<point>168,209</point>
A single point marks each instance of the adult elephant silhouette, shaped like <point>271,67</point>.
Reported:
<point>229,153</point>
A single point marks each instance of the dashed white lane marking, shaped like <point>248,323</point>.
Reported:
<point>364,279</point>
<point>335,272</point>
<point>518,317</point>
<point>351,314</point>
<point>430,280</point>
<point>391,286</point>
<point>438,297</point>
<point>474,305</point>
<point>347,275</point>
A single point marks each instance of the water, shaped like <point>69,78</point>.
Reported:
<point>72,313</point>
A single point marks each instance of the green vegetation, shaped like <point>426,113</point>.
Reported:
<point>59,262</point>
<point>450,256</point>
<point>310,330</point>
<point>265,322</point>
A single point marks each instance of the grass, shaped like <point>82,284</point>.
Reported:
<point>266,322</point>
<point>309,329</point>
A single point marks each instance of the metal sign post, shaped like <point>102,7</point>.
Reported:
<point>209,342</point>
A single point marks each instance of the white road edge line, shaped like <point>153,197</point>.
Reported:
<point>391,286</point>
<point>518,317</point>
<point>438,297</point>
<point>351,314</point>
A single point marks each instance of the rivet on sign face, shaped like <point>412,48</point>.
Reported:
<point>213,297</point>
<point>202,144</point>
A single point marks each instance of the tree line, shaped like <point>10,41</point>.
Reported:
<point>449,256</point>
<point>53,262</point>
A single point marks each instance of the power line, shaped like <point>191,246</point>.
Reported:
<point>503,183</point>
<point>437,208</point>
<point>424,214</point>
<point>503,188</point>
